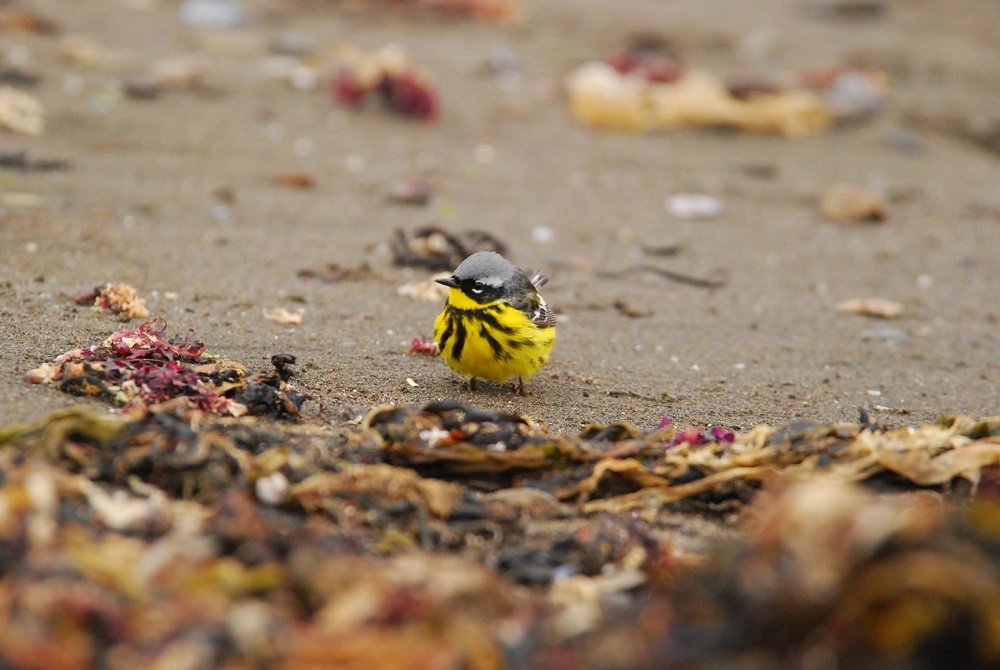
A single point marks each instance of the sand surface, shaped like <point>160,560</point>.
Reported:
<point>140,204</point>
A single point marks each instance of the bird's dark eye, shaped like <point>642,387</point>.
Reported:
<point>477,287</point>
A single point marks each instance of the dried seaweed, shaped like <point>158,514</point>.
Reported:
<point>144,368</point>
<point>388,74</point>
<point>451,536</point>
<point>434,248</point>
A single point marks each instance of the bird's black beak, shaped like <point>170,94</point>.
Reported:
<point>448,281</point>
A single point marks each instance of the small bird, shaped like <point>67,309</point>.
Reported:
<point>494,324</point>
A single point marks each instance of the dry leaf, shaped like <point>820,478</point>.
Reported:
<point>283,316</point>
<point>601,96</point>
<point>426,289</point>
<point>849,203</point>
<point>300,180</point>
<point>21,112</point>
<point>880,307</point>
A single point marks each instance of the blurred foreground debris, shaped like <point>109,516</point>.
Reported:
<point>451,536</point>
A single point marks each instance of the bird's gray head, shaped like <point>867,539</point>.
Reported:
<point>486,276</point>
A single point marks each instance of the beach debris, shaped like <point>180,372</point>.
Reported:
<point>21,112</point>
<point>334,273</point>
<point>20,160</point>
<point>980,127</point>
<point>121,299</point>
<point>184,72</point>
<point>852,94</point>
<point>884,334</point>
<point>143,368</point>
<point>715,279</point>
<point>410,192</point>
<point>294,180</point>
<point>420,345</point>
<point>602,96</point>
<point>856,573</point>
<point>388,73</point>
<point>217,14</point>
<point>87,53</point>
<point>17,19</point>
<point>283,316</point>
<point>507,12</point>
<point>543,234</point>
<point>180,72</point>
<point>626,309</point>
<point>434,248</point>
<point>503,12</point>
<point>428,290</point>
<point>642,90</point>
<point>848,203</point>
<point>647,64</point>
<point>17,76</point>
<point>22,200</point>
<point>760,170</point>
<point>858,9</point>
<point>693,206</point>
<point>454,532</point>
<point>879,307</point>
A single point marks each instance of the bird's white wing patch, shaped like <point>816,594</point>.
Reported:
<point>543,316</point>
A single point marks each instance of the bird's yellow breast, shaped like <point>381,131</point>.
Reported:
<point>495,341</point>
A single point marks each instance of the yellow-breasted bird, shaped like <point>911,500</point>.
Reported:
<point>494,324</point>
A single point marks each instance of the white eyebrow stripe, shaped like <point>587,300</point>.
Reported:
<point>494,281</point>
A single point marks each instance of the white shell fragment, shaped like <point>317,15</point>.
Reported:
<point>21,112</point>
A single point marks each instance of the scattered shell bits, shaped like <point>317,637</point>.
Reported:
<point>601,96</point>
<point>283,316</point>
<point>21,112</point>
<point>847,203</point>
<point>694,206</point>
<point>882,308</point>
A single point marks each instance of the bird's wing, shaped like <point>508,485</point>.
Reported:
<point>537,278</point>
<point>543,316</point>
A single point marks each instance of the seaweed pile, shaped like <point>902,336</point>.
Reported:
<point>176,535</point>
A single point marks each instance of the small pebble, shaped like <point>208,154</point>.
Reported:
<point>410,192</point>
<point>543,235</point>
<point>212,13</point>
<point>884,334</point>
<point>847,203</point>
<point>905,141</point>
<point>484,153</point>
<point>880,307</point>
<point>693,206</point>
<point>291,43</point>
<point>271,490</point>
<point>854,96</point>
<point>355,163</point>
<point>849,8</point>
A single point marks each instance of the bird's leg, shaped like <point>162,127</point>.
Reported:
<point>472,383</point>
<point>520,386</point>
